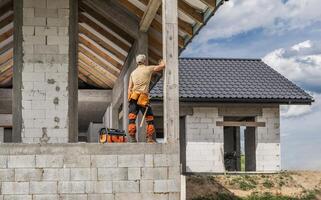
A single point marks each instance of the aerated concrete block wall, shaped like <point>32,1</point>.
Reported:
<point>89,172</point>
<point>268,141</point>
<point>204,141</point>
<point>45,71</point>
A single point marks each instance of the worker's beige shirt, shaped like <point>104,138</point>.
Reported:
<point>141,78</point>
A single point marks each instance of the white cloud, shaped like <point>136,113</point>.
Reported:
<point>292,111</point>
<point>273,16</point>
<point>300,63</point>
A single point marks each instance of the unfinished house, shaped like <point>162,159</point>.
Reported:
<point>229,114</point>
<point>62,60</point>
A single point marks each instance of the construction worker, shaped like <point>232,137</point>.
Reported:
<point>138,96</point>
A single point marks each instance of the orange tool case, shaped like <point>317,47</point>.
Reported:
<point>108,135</point>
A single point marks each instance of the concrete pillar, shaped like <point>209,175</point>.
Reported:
<point>170,53</point>
<point>1,134</point>
<point>44,93</point>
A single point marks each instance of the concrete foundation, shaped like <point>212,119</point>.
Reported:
<point>89,171</point>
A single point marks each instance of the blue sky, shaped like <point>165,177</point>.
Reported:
<point>286,34</point>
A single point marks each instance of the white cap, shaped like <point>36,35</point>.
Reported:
<point>140,59</point>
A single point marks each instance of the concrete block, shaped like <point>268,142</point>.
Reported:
<point>54,40</point>
<point>63,31</point>
<point>32,76</point>
<point>101,196</point>
<point>27,49</point>
<point>34,21</point>
<point>99,187</point>
<point>21,161</point>
<point>131,196</point>
<point>49,161</point>
<point>46,30</point>
<point>102,161</point>
<point>112,173</point>
<point>28,12</point>
<point>46,197</point>
<point>63,13</point>
<point>64,22</point>
<point>71,187</point>
<point>73,197</point>
<point>46,12</point>
<point>126,186</point>
<point>154,173</point>
<point>131,160</point>
<point>56,174</point>
<point>28,174</point>
<point>134,173</point>
<point>58,4</point>
<point>17,197</point>
<point>15,188</point>
<point>63,49</point>
<point>28,30</point>
<point>46,49</point>
<point>164,186</point>
<point>78,174</point>
<point>161,160</point>
<point>6,175</point>
<point>43,187</point>
<point>32,114</point>
<point>146,186</point>
<point>149,160</point>
<point>77,161</point>
<point>34,3</point>
<point>3,161</point>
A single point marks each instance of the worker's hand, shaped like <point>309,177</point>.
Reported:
<point>161,63</point>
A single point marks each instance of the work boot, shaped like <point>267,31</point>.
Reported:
<point>150,140</point>
<point>133,139</point>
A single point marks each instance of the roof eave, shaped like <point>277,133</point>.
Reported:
<point>248,100</point>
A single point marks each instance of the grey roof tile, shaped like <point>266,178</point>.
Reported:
<point>233,80</point>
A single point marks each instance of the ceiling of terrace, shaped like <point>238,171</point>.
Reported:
<point>104,45</point>
<point>6,43</point>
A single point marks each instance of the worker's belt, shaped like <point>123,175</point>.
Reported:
<point>112,136</point>
<point>141,98</point>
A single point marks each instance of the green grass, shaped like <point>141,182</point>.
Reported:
<point>243,163</point>
<point>267,196</point>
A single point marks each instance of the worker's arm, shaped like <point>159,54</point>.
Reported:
<point>160,67</point>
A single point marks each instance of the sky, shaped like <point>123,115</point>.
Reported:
<point>286,35</point>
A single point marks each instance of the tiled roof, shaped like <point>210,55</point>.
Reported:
<point>233,80</point>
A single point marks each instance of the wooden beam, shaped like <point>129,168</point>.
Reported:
<point>6,48</point>
<point>100,52</point>
<point>87,80</point>
<point>97,38</point>
<point>242,123</point>
<point>4,75</point>
<point>6,35</point>
<point>191,11</point>
<point>154,42</point>
<point>6,21</point>
<point>6,120</point>
<point>84,39</point>
<point>6,65</point>
<point>87,71</point>
<point>102,18</point>
<point>171,85</point>
<point>100,61</point>
<point>184,26</point>
<point>89,62</point>
<point>149,14</point>
<point>6,56</point>
<point>6,7</point>
<point>210,3</point>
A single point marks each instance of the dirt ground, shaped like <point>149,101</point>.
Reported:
<point>292,184</point>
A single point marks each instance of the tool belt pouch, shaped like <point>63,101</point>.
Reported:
<point>112,136</point>
<point>134,96</point>
<point>143,100</point>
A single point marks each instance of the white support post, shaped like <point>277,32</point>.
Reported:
<point>170,53</point>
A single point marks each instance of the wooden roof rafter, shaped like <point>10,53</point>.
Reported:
<point>92,64</point>
<point>91,74</point>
